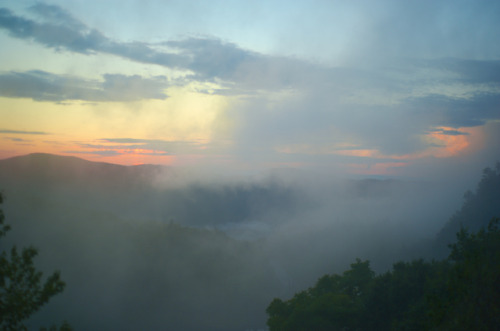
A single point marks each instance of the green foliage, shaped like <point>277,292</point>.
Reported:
<point>477,210</point>
<point>471,298</point>
<point>397,301</point>
<point>461,292</point>
<point>22,291</point>
<point>335,303</point>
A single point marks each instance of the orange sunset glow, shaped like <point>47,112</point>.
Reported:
<point>233,99</point>
<point>195,165</point>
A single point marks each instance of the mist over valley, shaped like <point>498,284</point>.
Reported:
<point>201,165</point>
<point>153,247</point>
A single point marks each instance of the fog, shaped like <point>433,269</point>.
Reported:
<point>162,248</point>
<point>292,138</point>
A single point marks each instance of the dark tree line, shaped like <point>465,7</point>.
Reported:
<point>461,292</point>
<point>478,208</point>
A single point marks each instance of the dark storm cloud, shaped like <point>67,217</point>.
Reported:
<point>43,86</point>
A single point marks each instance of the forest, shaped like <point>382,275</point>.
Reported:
<point>459,292</point>
<point>133,254</point>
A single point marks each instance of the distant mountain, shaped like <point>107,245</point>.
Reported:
<point>56,170</point>
<point>98,186</point>
<point>140,253</point>
<point>136,254</point>
<point>138,275</point>
<point>144,191</point>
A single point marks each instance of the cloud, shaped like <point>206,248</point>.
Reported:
<point>156,147</point>
<point>388,111</point>
<point>116,152</point>
<point>56,14</point>
<point>62,31</point>
<point>24,132</point>
<point>458,112</point>
<point>449,132</point>
<point>127,88</point>
<point>376,103</point>
<point>43,86</point>
<point>95,152</point>
<point>471,71</point>
<point>458,29</point>
<point>210,58</point>
<point>207,58</point>
<point>70,36</point>
<point>17,139</point>
<point>131,140</point>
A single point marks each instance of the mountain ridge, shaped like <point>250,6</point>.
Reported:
<point>54,169</point>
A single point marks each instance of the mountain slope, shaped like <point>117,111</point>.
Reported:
<point>478,209</point>
<point>144,191</point>
<point>105,227</point>
<point>56,170</point>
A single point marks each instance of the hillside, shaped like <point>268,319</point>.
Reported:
<point>57,170</point>
<point>455,289</point>
<point>144,191</point>
<point>100,225</point>
<point>146,246</point>
<point>478,208</point>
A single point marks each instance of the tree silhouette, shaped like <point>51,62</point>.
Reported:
<point>22,291</point>
<point>461,292</point>
<point>478,208</point>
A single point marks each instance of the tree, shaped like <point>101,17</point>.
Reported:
<point>336,302</point>
<point>478,208</point>
<point>471,297</point>
<point>461,292</point>
<point>22,291</point>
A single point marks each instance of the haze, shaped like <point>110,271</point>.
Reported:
<point>261,142</point>
<point>152,247</point>
<point>364,88</point>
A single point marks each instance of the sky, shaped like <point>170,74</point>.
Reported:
<point>370,88</point>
